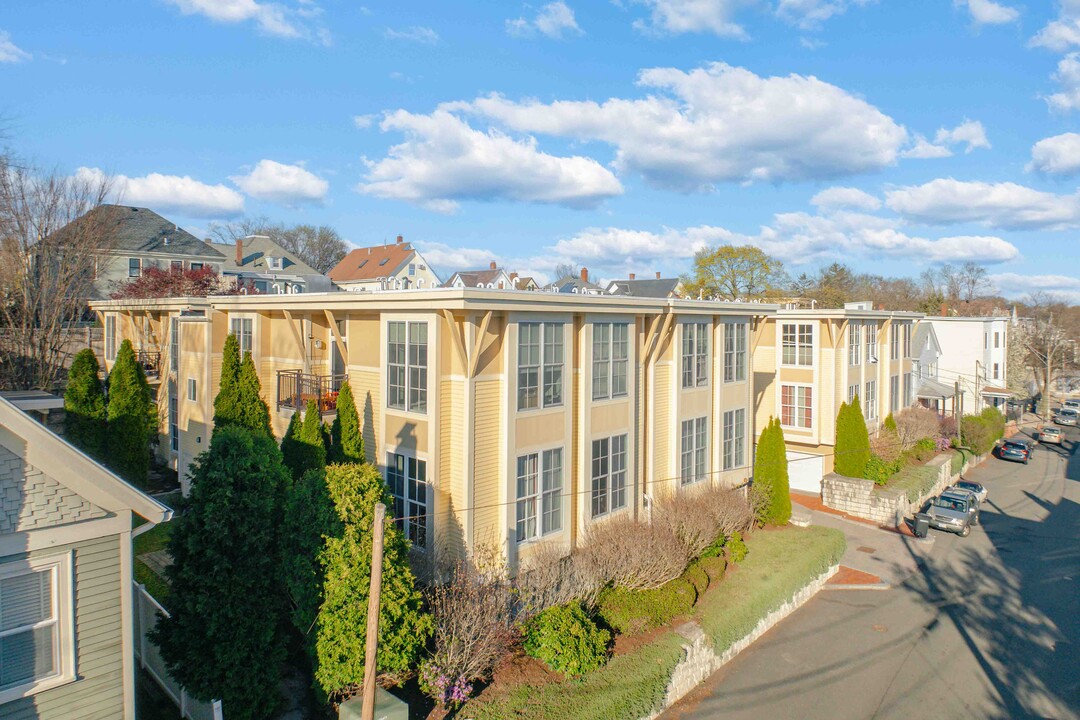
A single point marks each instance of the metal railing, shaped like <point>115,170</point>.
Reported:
<point>295,388</point>
<point>150,361</point>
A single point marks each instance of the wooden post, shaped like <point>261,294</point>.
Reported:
<point>368,708</point>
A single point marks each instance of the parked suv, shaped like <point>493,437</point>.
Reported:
<point>1015,450</point>
<point>954,511</point>
<point>1050,434</point>
<point>1073,404</point>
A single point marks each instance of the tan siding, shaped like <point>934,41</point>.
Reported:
<point>662,430</point>
<point>487,475</point>
<point>367,391</point>
<point>450,495</point>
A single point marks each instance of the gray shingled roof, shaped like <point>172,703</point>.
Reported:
<point>653,288</point>
<point>570,283</point>
<point>140,230</point>
<point>256,249</point>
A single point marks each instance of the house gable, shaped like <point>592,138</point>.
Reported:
<point>32,500</point>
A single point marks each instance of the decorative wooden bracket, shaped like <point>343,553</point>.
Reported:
<point>296,337</point>
<point>337,337</point>
<point>457,332</point>
<point>478,348</point>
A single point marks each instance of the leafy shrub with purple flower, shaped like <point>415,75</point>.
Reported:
<point>448,691</point>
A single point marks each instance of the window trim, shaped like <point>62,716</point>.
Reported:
<point>137,263</point>
<point>539,495</point>
<point>110,336</point>
<point>736,332</point>
<point>543,366</point>
<point>895,384</point>
<point>737,442</point>
<point>870,328</point>
<point>63,608</point>
<point>607,475</point>
<point>239,338</point>
<point>408,367</point>
<point>870,401</point>
<point>699,361</point>
<point>854,344</point>
<point>798,345</point>
<point>697,452</point>
<point>795,413</point>
<point>894,342</point>
<point>610,361</point>
<point>192,390</point>
<point>408,520</point>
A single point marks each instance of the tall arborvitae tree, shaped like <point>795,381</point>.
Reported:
<point>311,435</point>
<point>84,405</point>
<point>342,624</point>
<point>309,520</point>
<point>224,637</point>
<point>251,410</point>
<point>852,441</point>
<point>130,418</point>
<point>292,452</point>
<point>225,404</point>
<point>348,446</point>
<point>771,475</point>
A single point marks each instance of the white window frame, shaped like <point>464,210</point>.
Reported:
<point>63,615</point>
<point>174,343</point>
<point>798,344</point>
<point>110,336</point>
<point>602,470</point>
<point>414,386</point>
<point>694,450</point>
<point>894,393</point>
<point>852,393</point>
<point>606,360</point>
<point>540,503</point>
<point>546,367</point>
<point>239,320</point>
<point>192,390</point>
<point>997,371</point>
<point>870,329</point>
<point>695,354</point>
<point>854,343</point>
<point>734,439</point>
<point>799,402</point>
<point>909,390</point>
<point>870,400</point>
<point>907,340</point>
<point>734,352</point>
<point>894,342</point>
<point>997,340</point>
<point>412,514</point>
<point>174,417</point>
<point>137,264</point>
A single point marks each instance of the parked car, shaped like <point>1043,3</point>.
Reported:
<point>1073,404</point>
<point>954,511</point>
<point>976,489</point>
<point>1065,416</point>
<point>1015,450</point>
<point>1050,435</point>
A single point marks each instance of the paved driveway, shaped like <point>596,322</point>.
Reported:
<point>986,626</point>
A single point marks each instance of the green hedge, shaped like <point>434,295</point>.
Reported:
<point>779,564</point>
<point>567,640</point>
<point>914,480</point>
<point>633,611</point>
<point>960,457</point>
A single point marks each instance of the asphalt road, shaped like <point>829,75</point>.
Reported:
<point>987,626</point>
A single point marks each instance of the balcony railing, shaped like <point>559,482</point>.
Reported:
<point>295,388</point>
<point>150,361</point>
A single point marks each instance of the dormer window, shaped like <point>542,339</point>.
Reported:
<point>275,263</point>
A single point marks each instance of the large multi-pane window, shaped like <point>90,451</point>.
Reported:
<point>734,438</point>
<point>608,475</point>
<point>110,337</point>
<point>695,354</point>
<point>735,352</point>
<point>797,344</point>
<point>406,366</point>
<point>907,340</point>
<point>894,393</point>
<point>174,344</point>
<point>174,417</point>
<point>854,343</point>
<point>797,406</point>
<point>540,365</point>
<point>871,341</point>
<point>407,479</point>
<point>242,329</point>
<point>134,267</point>
<point>997,371</point>
<point>611,349</point>
<point>33,631</point>
<point>694,450</point>
<point>909,391</point>
<point>852,393</point>
<point>870,400</point>
<point>539,494</point>
<point>894,342</point>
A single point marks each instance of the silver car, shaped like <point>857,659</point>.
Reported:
<point>976,489</point>
<point>954,511</point>
<point>1065,416</point>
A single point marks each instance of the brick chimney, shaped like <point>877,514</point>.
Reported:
<point>631,276</point>
<point>944,310</point>
<point>400,239</point>
<point>239,251</point>
<point>584,274</point>
<point>493,265</point>
<point>657,274</point>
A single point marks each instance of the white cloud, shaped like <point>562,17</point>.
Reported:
<point>9,51</point>
<point>812,43</point>
<point>1068,77</point>
<point>923,149</point>
<point>363,122</point>
<point>845,197</point>
<point>1014,285</point>
<point>270,18</point>
<point>718,124</point>
<point>987,12</point>
<point>1057,155</point>
<point>416,33</point>
<point>810,14</point>
<point>1062,33</point>
<point>285,184</point>
<point>1001,205</point>
<point>970,132</point>
<point>171,193</point>
<point>693,16</point>
<point>555,20</point>
<point>443,161</point>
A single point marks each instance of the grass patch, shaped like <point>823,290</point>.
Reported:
<point>959,458</point>
<point>914,480</point>
<point>779,564</point>
<point>630,686</point>
<point>152,540</point>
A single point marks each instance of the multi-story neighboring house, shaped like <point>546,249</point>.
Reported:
<point>496,416</point>
<point>67,642</point>
<point>808,362</point>
<point>575,284</point>
<point>658,287</point>
<point>974,353</point>
<point>257,263</point>
<point>395,266</point>
<point>136,239</point>
<point>494,277</point>
<point>930,391</point>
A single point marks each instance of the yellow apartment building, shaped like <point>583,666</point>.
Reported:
<point>496,416</point>
<point>808,362</point>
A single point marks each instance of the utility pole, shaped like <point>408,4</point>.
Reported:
<point>958,409</point>
<point>372,637</point>
<point>1049,354</point>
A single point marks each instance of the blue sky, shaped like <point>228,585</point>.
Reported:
<point>893,136</point>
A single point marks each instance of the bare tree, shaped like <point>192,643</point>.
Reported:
<point>972,281</point>
<point>47,262</point>
<point>1050,349</point>
<point>320,247</point>
<point>565,269</point>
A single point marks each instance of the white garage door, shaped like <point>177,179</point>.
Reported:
<point>805,471</point>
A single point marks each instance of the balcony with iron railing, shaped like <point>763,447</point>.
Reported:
<point>295,388</point>
<point>150,360</point>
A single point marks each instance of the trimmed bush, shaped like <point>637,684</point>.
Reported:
<point>771,475</point>
<point>880,470</point>
<point>251,410</point>
<point>348,442</point>
<point>737,549</point>
<point>696,576</point>
<point>225,404</point>
<point>633,611</point>
<point>852,441</point>
<point>914,480</point>
<point>309,520</point>
<point>889,423</point>
<point>924,449</point>
<point>130,418</point>
<point>714,567</point>
<point>566,640</point>
<point>977,433</point>
<point>84,405</point>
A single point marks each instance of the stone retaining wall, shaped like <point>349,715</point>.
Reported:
<point>699,660</point>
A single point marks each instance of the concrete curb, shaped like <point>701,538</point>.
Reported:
<point>858,586</point>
